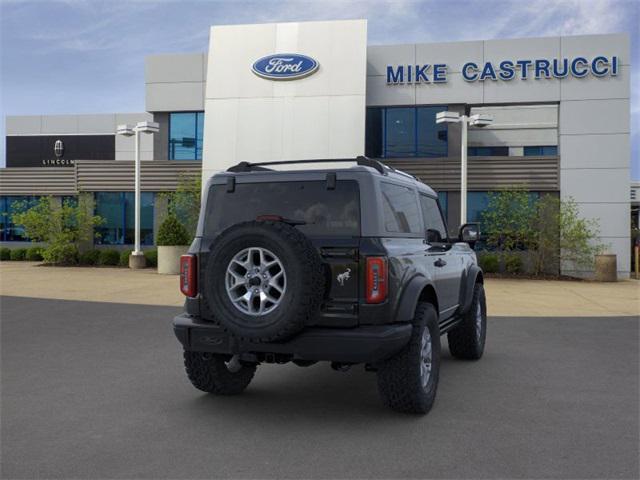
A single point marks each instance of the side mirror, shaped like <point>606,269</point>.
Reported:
<point>433,236</point>
<point>469,233</point>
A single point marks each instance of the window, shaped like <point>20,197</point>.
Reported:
<point>433,222</point>
<point>185,135</point>
<point>117,211</point>
<point>9,205</point>
<point>324,212</point>
<point>478,202</point>
<point>443,200</point>
<point>400,132</point>
<point>544,151</point>
<point>488,151</point>
<point>396,132</point>
<point>401,213</point>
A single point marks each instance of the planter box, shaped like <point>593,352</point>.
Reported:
<point>169,259</point>
<point>606,268</point>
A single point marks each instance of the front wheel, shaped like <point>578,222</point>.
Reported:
<point>209,372</point>
<point>408,381</point>
<point>466,341</point>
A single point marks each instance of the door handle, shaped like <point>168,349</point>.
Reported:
<point>439,263</point>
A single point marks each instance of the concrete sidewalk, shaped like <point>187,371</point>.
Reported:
<point>505,297</point>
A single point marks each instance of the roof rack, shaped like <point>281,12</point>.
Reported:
<point>262,166</point>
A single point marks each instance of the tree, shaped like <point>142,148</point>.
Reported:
<point>550,228</point>
<point>579,242</point>
<point>507,219</point>
<point>561,236</point>
<point>184,203</point>
<point>61,227</point>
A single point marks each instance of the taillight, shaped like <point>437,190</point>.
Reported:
<point>377,278</point>
<point>188,275</point>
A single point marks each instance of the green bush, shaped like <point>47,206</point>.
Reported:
<point>18,254</point>
<point>513,263</point>
<point>5,253</point>
<point>151,257</point>
<point>90,257</point>
<point>172,232</point>
<point>61,227</point>
<point>34,254</point>
<point>61,254</point>
<point>124,258</point>
<point>109,257</point>
<point>489,262</point>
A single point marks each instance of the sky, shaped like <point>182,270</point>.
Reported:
<point>87,56</point>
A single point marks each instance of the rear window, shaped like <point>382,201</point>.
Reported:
<point>326,212</point>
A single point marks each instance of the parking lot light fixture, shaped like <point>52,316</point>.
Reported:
<point>477,120</point>
<point>136,260</point>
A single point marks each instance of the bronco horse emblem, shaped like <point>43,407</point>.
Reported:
<point>343,277</point>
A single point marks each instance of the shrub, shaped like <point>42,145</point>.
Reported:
<point>513,263</point>
<point>62,227</point>
<point>172,232</point>
<point>152,257</point>
<point>5,253</point>
<point>61,254</point>
<point>489,262</point>
<point>34,254</point>
<point>90,257</point>
<point>109,257</point>
<point>124,258</point>
<point>18,254</point>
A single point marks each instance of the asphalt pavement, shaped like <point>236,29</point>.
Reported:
<point>97,390</point>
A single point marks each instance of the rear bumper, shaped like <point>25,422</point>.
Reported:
<point>364,344</point>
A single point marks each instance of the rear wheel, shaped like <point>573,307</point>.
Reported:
<point>209,372</point>
<point>466,341</point>
<point>408,381</point>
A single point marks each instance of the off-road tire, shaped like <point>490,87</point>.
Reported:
<point>399,378</point>
<point>465,342</point>
<point>306,281</point>
<point>209,373</point>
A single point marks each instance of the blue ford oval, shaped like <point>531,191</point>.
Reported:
<point>285,66</point>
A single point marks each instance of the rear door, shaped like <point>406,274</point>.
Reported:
<point>327,213</point>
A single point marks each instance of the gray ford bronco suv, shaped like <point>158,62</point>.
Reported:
<point>347,265</point>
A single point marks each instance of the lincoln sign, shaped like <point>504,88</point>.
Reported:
<point>578,67</point>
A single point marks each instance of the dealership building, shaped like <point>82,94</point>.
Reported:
<point>560,108</point>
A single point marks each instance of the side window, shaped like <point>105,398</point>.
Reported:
<point>433,223</point>
<point>401,212</point>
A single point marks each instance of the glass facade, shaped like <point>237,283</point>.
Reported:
<point>10,232</point>
<point>185,135</point>
<point>117,211</point>
<point>544,151</point>
<point>400,132</point>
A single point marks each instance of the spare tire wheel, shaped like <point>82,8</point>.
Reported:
<point>264,281</point>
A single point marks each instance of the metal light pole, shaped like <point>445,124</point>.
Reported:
<point>477,120</point>
<point>136,259</point>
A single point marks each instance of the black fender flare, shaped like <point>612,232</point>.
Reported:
<point>409,299</point>
<point>473,275</point>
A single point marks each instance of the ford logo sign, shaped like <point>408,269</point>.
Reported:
<point>285,66</point>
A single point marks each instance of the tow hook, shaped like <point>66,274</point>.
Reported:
<point>234,365</point>
<point>340,367</point>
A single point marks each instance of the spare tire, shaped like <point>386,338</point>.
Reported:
<point>263,281</point>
